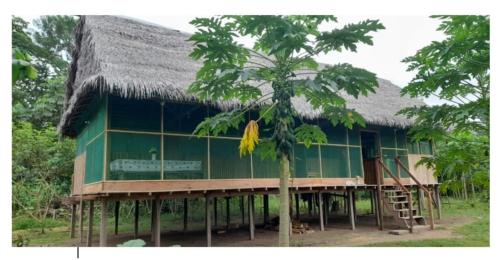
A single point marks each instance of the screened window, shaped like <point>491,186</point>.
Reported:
<point>183,118</point>
<point>134,156</point>
<point>388,156</point>
<point>413,147</point>
<point>403,157</point>
<point>356,162</point>
<point>425,147</point>
<point>225,161</point>
<point>334,135</point>
<point>185,157</point>
<point>334,161</point>
<point>306,161</point>
<point>132,114</point>
<point>354,136</point>
<point>94,160</point>
<point>401,139</point>
<point>387,137</point>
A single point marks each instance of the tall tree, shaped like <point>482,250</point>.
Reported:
<point>281,60</point>
<point>456,70</point>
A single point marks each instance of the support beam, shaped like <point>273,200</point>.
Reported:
<point>251,224</point>
<point>136,219</point>
<point>297,206</point>
<point>419,200</point>
<point>215,212</point>
<point>117,215</point>
<point>371,203</point>
<point>73,221</point>
<point>320,207</point>
<point>242,207</point>
<point>80,220</point>
<point>157,222</point>
<point>438,201</point>
<point>355,213</point>
<point>185,208</point>
<point>375,203</point>
<point>309,205</point>
<point>325,207</point>
<point>103,232</point>
<point>228,212</point>
<point>208,224</point>
<point>266,208</point>
<point>350,195</point>
<point>90,228</point>
<point>380,179</point>
<point>153,213</point>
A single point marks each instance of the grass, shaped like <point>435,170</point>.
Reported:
<point>57,231</point>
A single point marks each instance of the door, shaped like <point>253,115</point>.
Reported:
<point>370,151</point>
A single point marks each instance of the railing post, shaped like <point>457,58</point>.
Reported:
<point>431,211</point>
<point>379,194</point>
<point>410,208</point>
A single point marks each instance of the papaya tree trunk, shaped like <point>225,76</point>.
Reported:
<point>284,229</point>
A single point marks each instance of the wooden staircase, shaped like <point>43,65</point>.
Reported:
<point>396,202</point>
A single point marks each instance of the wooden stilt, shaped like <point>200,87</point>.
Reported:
<point>375,203</point>
<point>103,232</point>
<point>90,228</point>
<point>325,208</point>
<point>136,219</point>
<point>153,213</point>
<point>242,208</point>
<point>438,201</point>
<point>297,206</point>
<point>351,209</point>
<point>371,203</point>
<point>185,226</point>
<point>80,220</point>
<point>228,213</point>
<point>208,225</point>
<point>157,227</point>
<point>266,208</point>
<point>380,179</point>
<point>251,224</point>
<point>314,202</point>
<point>309,205</point>
<point>355,213</point>
<point>117,215</point>
<point>73,221</point>
<point>419,201</point>
<point>215,212</point>
<point>320,208</point>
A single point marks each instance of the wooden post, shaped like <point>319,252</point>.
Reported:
<point>351,209</point>
<point>73,221</point>
<point>355,213</point>
<point>438,201</point>
<point>153,213</point>
<point>297,206</point>
<point>80,220</point>
<point>419,201</point>
<point>371,202</point>
<point>215,212</point>
<point>325,207</point>
<point>251,216</point>
<point>90,228</point>
<point>228,213</point>
<point>208,225</point>
<point>410,209</point>
<point>431,210</point>
<point>309,205</point>
<point>117,215</point>
<point>103,232</point>
<point>157,227</point>
<point>320,207</point>
<point>375,204</point>
<point>185,209</point>
<point>242,208</point>
<point>314,202</point>
<point>266,208</point>
<point>380,203</point>
<point>136,219</point>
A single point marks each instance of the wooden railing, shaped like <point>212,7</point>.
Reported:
<point>408,193</point>
<point>427,192</point>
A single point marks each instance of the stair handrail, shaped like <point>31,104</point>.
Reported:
<point>408,193</point>
<point>427,192</point>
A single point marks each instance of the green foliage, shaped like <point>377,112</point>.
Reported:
<point>133,243</point>
<point>21,66</point>
<point>219,124</point>
<point>309,134</point>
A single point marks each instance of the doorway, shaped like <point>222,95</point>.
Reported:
<point>370,151</point>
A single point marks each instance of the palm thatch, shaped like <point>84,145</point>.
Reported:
<point>138,60</point>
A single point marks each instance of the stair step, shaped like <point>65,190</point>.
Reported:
<point>398,202</point>
<point>414,217</point>
<point>397,196</point>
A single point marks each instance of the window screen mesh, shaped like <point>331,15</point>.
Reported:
<point>185,157</point>
<point>412,147</point>
<point>334,161</point>
<point>134,156</point>
<point>183,118</point>
<point>387,137</point>
<point>425,147</point>
<point>356,167</point>
<point>132,114</point>
<point>334,135</point>
<point>403,157</point>
<point>225,161</point>
<point>306,161</point>
<point>354,136</point>
<point>388,156</point>
<point>81,142</point>
<point>265,168</point>
<point>401,139</point>
<point>94,160</point>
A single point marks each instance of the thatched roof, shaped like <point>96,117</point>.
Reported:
<point>140,60</point>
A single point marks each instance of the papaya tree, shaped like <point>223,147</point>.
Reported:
<point>266,78</point>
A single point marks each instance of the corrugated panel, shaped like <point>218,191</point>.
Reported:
<point>134,156</point>
<point>185,157</point>
<point>225,161</point>
<point>334,162</point>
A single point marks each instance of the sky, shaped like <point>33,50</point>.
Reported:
<point>403,36</point>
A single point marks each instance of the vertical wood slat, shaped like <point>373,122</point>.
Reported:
<point>90,224</point>
<point>103,232</point>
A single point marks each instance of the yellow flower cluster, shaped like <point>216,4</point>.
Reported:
<point>250,138</point>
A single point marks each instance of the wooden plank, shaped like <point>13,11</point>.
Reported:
<point>320,208</point>
<point>251,224</point>
<point>73,221</point>
<point>117,215</point>
<point>136,219</point>
<point>103,232</point>
<point>90,227</point>
<point>158,223</point>
<point>208,225</point>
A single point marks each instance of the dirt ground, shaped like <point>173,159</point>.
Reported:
<point>338,233</point>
